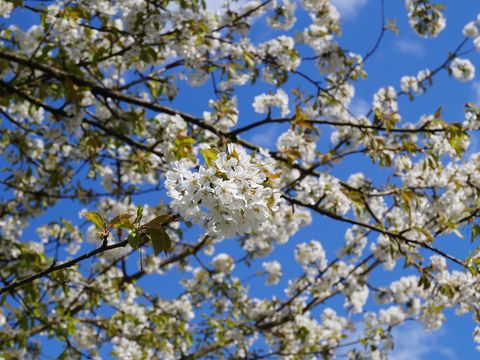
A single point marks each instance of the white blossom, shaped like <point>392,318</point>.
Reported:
<point>228,195</point>
<point>223,263</point>
<point>462,69</point>
<point>274,272</point>
<point>471,30</point>
<point>263,103</point>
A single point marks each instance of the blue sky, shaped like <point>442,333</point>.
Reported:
<point>398,55</point>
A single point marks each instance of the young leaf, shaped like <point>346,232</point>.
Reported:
<point>139,214</point>
<point>392,25</point>
<point>121,221</point>
<point>68,225</point>
<point>134,239</point>
<point>95,217</point>
<point>159,221</point>
<point>160,240</point>
<point>424,282</point>
<point>475,231</point>
<point>209,155</point>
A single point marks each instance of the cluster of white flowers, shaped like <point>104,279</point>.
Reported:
<point>304,331</point>
<point>382,251</point>
<point>223,263</point>
<point>62,234</point>
<point>132,319</point>
<point>356,180</point>
<point>319,35</point>
<point>425,18</point>
<point>426,298</point>
<point>224,115</point>
<point>394,315</point>
<point>282,53</point>
<point>326,191</point>
<point>415,84</point>
<point>166,132</point>
<point>6,8</point>
<point>331,59</point>
<point>228,194</point>
<point>472,30</point>
<point>355,242</point>
<point>476,337</point>
<point>385,103</point>
<point>284,15</point>
<point>285,223</point>
<point>297,144</point>
<point>462,69</point>
<point>130,173</point>
<point>472,119</point>
<point>249,6</point>
<point>311,254</point>
<point>421,174</point>
<point>354,134</point>
<point>25,113</point>
<point>11,227</point>
<point>333,325</point>
<point>263,103</point>
<point>343,93</point>
<point>274,272</point>
<point>356,295</point>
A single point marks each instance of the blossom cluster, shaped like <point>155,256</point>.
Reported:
<point>385,104</point>
<point>229,195</point>
<point>472,30</point>
<point>6,8</point>
<point>224,115</point>
<point>297,144</point>
<point>284,15</point>
<point>425,18</point>
<point>462,69</point>
<point>263,103</point>
<point>285,223</point>
<point>325,191</point>
<point>415,84</point>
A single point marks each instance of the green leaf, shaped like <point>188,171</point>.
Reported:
<point>209,155</point>
<point>159,221</point>
<point>95,217</point>
<point>473,270</point>
<point>425,232</point>
<point>134,239</point>
<point>121,221</point>
<point>438,113</point>
<point>475,231</point>
<point>392,25</point>
<point>424,282</point>
<point>271,201</point>
<point>139,214</point>
<point>447,290</point>
<point>68,225</point>
<point>160,240</point>
<point>63,276</point>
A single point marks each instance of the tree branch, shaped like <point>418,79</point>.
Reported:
<point>54,267</point>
